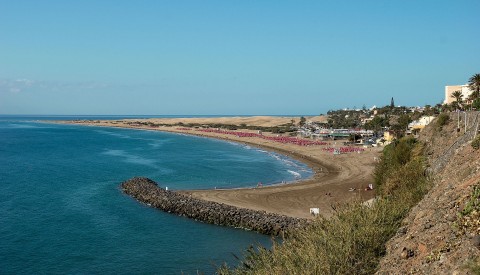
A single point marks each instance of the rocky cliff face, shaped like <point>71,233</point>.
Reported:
<point>434,238</point>
<point>148,192</point>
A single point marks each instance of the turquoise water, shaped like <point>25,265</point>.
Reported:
<point>61,210</point>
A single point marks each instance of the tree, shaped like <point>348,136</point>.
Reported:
<point>458,98</point>
<point>392,104</point>
<point>429,110</point>
<point>401,125</point>
<point>302,121</point>
<point>476,104</point>
<point>404,120</point>
<point>376,123</point>
<point>474,85</point>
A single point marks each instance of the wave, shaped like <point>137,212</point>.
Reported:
<point>113,134</point>
<point>295,174</point>
<point>130,158</point>
<point>244,146</point>
<point>287,161</point>
<point>234,143</point>
<point>156,143</point>
<point>290,163</point>
<point>23,126</point>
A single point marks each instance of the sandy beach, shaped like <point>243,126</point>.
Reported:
<point>334,175</point>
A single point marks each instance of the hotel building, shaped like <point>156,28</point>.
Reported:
<point>450,89</point>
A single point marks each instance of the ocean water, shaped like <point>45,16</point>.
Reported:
<point>62,212</point>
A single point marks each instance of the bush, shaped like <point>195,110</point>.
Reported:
<point>442,120</point>
<point>469,216</point>
<point>394,155</point>
<point>473,266</point>
<point>476,143</point>
<point>476,104</point>
<point>473,203</point>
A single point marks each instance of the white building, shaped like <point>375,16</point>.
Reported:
<point>420,123</point>
<point>464,89</point>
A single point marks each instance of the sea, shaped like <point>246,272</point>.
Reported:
<point>62,211</point>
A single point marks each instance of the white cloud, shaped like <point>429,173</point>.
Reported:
<point>15,85</point>
<point>14,90</point>
<point>19,85</point>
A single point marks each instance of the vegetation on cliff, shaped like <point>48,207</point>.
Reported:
<point>476,143</point>
<point>469,223</point>
<point>442,120</point>
<point>353,240</point>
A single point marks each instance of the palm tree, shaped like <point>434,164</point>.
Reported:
<point>458,96</point>
<point>474,85</point>
<point>458,99</point>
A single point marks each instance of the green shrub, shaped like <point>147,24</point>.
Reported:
<point>394,155</point>
<point>476,104</point>
<point>476,143</point>
<point>469,216</point>
<point>442,120</point>
<point>473,266</point>
<point>473,203</point>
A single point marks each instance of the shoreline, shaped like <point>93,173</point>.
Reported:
<point>329,185</point>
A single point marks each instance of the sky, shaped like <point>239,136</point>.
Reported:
<point>230,57</point>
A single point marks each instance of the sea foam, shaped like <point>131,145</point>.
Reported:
<point>295,174</point>
<point>131,158</point>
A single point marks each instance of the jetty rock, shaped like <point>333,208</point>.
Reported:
<point>148,192</point>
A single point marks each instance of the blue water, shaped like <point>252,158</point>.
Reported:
<point>61,210</point>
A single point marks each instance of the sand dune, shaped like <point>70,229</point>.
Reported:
<point>265,121</point>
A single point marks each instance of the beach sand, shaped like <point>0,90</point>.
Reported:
<point>329,186</point>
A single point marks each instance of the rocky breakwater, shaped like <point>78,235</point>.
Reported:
<point>147,191</point>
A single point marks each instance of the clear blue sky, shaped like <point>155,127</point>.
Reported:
<point>231,57</point>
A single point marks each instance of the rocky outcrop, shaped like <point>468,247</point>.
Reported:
<point>147,191</point>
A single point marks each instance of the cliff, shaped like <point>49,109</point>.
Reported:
<point>436,237</point>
